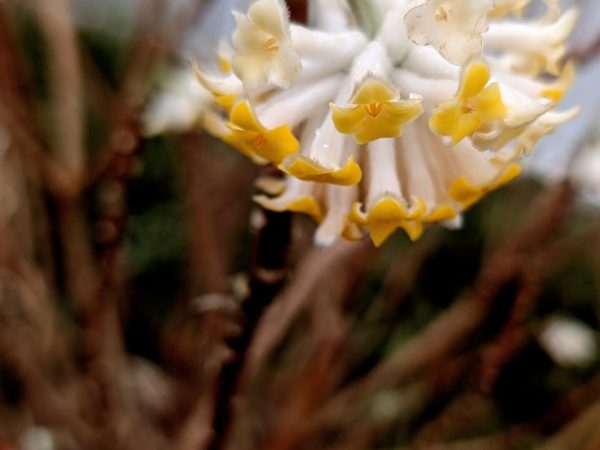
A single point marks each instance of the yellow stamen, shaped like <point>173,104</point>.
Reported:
<point>466,107</point>
<point>373,109</point>
<point>260,141</point>
<point>271,45</point>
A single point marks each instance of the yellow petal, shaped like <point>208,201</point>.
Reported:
<point>243,117</point>
<point>380,231</point>
<point>243,147</point>
<point>225,101</point>
<point>445,118</point>
<point>281,143</point>
<point>467,194</point>
<point>308,170</point>
<point>372,91</point>
<point>413,228</point>
<point>474,80</point>
<point>388,215</point>
<point>441,213</point>
<point>307,205</point>
<point>557,90</point>
<point>346,119</point>
<point>352,232</point>
<point>489,105</point>
<point>357,215</point>
<point>387,210</point>
<point>252,139</point>
<point>468,124</point>
<point>224,64</point>
<point>474,105</point>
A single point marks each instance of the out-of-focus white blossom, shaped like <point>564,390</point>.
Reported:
<point>569,342</point>
<point>37,438</point>
<point>179,106</point>
<point>397,129</point>
<point>585,171</point>
<point>180,103</point>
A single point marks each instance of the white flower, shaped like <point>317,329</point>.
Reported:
<point>585,172</point>
<point>179,106</point>
<point>569,342</point>
<point>453,27</point>
<point>263,50</point>
<point>37,438</point>
<point>395,130</point>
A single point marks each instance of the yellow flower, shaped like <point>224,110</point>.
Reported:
<point>386,216</point>
<point>254,140</point>
<point>305,169</point>
<point>467,193</point>
<point>474,105</point>
<point>375,112</point>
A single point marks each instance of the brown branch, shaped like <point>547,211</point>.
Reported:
<point>56,23</point>
<point>267,276</point>
<point>445,334</point>
<point>322,356</point>
<point>578,433</point>
<point>299,294</point>
<point>208,261</point>
<point>322,370</point>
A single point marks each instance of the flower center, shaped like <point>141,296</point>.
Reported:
<point>466,107</point>
<point>271,45</point>
<point>260,141</point>
<point>441,14</point>
<point>373,109</point>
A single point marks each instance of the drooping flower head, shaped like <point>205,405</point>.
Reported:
<point>399,127</point>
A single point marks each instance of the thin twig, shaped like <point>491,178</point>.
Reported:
<point>446,333</point>
<point>57,26</point>
<point>314,267</point>
<point>267,276</point>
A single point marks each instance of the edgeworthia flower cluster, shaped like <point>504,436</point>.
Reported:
<point>388,114</point>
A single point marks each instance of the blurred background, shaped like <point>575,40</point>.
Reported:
<point>147,303</point>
